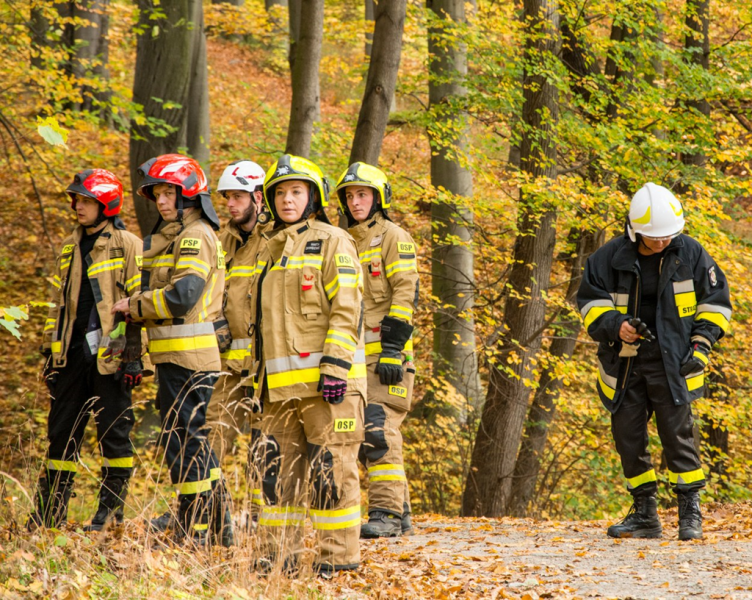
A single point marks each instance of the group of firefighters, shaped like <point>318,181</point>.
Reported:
<point>304,331</point>
<point>281,319</point>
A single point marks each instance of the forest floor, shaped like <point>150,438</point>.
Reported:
<point>446,558</point>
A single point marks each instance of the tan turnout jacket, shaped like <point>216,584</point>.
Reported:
<point>113,267</point>
<point>310,287</point>
<point>240,261</point>
<point>183,282</point>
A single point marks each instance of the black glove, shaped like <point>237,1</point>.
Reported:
<point>224,337</point>
<point>642,329</point>
<point>696,359</point>
<point>133,349</point>
<point>129,374</point>
<point>394,336</point>
<point>333,389</point>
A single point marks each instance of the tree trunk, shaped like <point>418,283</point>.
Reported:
<point>170,83</point>
<point>452,268</point>
<point>489,482</point>
<point>697,47</point>
<point>370,25</point>
<point>305,79</point>
<point>382,78</point>
<point>294,15</point>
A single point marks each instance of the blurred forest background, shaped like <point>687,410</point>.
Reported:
<point>514,134</point>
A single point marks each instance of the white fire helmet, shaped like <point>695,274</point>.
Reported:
<point>655,213</point>
<point>243,175</point>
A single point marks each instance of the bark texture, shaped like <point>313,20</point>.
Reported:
<point>697,47</point>
<point>171,84</point>
<point>489,482</point>
<point>305,79</point>
<point>370,10</point>
<point>381,81</point>
<point>452,267</point>
<point>295,9</point>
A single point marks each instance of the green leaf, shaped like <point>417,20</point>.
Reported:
<point>16,312</point>
<point>61,541</point>
<point>51,131</point>
<point>11,326</point>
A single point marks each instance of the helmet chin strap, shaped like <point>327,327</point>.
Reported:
<point>101,217</point>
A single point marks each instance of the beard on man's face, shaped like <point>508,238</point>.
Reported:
<point>248,217</point>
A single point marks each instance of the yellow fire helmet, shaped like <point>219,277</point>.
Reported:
<point>290,167</point>
<point>360,173</point>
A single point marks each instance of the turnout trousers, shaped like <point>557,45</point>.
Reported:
<point>226,417</point>
<point>648,393</point>
<point>310,450</point>
<point>80,392</point>
<point>183,397</point>
<point>381,451</point>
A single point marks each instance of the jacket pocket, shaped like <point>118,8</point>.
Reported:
<point>310,293</point>
<point>685,298</point>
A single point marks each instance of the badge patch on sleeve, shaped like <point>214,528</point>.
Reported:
<point>344,425</point>
<point>117,253</point>
<point>406,249</point>
<point>190,243</point>
<point>396,390</point>
<point>343,260</point>
<point>313,247</point>
<point>139,261</point>
<point>712,276</point>
<point>68,249</point>
<point>220,256</point>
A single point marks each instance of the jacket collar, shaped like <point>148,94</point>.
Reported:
<point>280,239</point>
<point>361,230</point>
<point>172,229</point>
<point>625,257</point>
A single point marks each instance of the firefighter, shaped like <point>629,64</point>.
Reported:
<point>98,265</point>
<point>179,301</point>
<point>657,303</point>
<point>390,298</point>
<point>241,185</point>
<point>308,363</point>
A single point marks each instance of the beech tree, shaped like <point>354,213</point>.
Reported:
<point>171,83</point>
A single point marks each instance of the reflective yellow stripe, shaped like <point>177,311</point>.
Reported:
<point>62,465</point>
<point>716,318</point>
<point>64,264</point>
<point>240,271</point>
<point>107,265</point>
<point>279,380</point>
<point>208,299</point>
<point>401,312</point>
<point>258,498</point>
<point>390,361</point>
<point>199,342</point>
<point>49,324</point>
<point>331,288</point>
<point>605,388</point>
<point>56,281</point>
<point>686,303</point>
<point>369,255</point>
<point>164,260</point>
<point>340,339</point>
<point>687,477</point>
<point>695,382</point>
<point>185,262</point>
<point>375,348</point>
<point>194,487</point>
<point>280,516</point>
<point>646,477</point>
<point>215,474</point>
<point>201,527</point>
<point>699,355</point>
<point>595,312</point>
<point>119,463</point>
<point>133,283</point>
<point>386,473</point>
<point>328,520</point>
<point>56,346</point>
<point>236,354</point>
<point>159,304</point>
<point>400,266</point>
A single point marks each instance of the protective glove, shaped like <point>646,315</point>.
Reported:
<point>117,339</point>
<point>133,349</point>
<point>130,375</point>
<point>333,389</point>
<point>642,329</point>
<point>696,359</point>
<point>224,337</point>
<point>394,335</point>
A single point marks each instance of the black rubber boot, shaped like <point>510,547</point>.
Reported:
<point>381,524</point>
<point>407,522</point>
<point>193,518</point>
<point>164,523</point>
<point>641,521</point>
<point>51,501</point>
<point>690,516</point>
<point>222,531</point>
<point>112,496</point>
